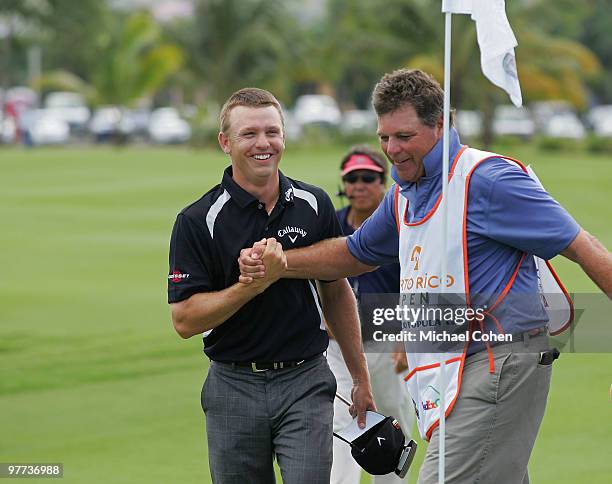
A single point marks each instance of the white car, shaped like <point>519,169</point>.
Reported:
<point>69,106</point>
<point>564,125</point>
<point>8,130</point>
<point>166,126</point>
<point>600,118</point>
<point>42,127</point>
<point>469,123</point>
<point>108,121</point>
<point>317,109</point>
<point>359,121</point>
<point>512,121</point>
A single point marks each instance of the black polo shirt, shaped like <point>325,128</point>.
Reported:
<point>284,323</point>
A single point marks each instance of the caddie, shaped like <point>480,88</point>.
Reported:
<point>502,226</point>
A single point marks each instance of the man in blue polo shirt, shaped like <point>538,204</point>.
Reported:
<point>508,219</point>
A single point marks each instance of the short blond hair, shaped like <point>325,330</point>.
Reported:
<point>251,97</point>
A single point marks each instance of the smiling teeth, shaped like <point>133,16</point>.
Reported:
<point>261,157</point>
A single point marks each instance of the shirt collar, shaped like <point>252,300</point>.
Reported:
<point>433,160</point>
<point>244,198</point>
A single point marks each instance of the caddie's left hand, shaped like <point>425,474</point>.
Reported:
<point>362,398</point>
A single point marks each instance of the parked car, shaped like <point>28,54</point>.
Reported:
<point>108,122</point>
<point>468,123</point>
<point>69,106</point>
<point>8,129</point>
<point>166,126</point>
<point>317,109</point>
<point>512,121</point>
<point>600,118</point>
<point>358,121</point>
<point>543,111</point>
<point>564,125</point>
<point>293,129</point>
<point>139,119</point>
<point>43,127</point>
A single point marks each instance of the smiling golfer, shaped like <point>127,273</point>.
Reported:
<point>269,391</point>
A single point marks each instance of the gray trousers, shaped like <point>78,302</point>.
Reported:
<point>492,428</point>
<point>252,417</point>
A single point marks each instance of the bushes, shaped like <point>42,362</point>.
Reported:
<point>592,143</point>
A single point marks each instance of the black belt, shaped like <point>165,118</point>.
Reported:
<point>275,365</point>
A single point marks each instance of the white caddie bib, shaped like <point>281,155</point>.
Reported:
<point>420,262</point>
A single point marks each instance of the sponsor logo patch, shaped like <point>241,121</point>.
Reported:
<point>178,276</point>
<point>432,398</point>
<point>292,230</point>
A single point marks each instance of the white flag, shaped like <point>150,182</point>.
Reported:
<point>496,41</point>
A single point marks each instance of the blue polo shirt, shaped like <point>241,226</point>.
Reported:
<point>383,280</point>
<point>508,215</point>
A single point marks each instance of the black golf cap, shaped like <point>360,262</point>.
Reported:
<point>379,446</point>
<point>378,450</point>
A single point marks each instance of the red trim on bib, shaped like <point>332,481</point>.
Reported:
<point>435,207</point>
<point>429,367</point>
<point>567,296</point>
<point>452,403</point>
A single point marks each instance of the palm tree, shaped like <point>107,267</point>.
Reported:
<point>549,67</point>
<point>235,43</point>
<point>132,62</point>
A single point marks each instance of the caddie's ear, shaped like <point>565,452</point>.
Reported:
<point>439,127</point>
<point>224,142</point>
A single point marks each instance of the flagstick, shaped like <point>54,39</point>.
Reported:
<point>445,163</point>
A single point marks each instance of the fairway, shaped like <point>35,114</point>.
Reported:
<point>92,373</point>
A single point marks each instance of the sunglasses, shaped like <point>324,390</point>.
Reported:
<point>354,178</point>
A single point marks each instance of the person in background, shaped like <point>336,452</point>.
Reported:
<point>364,175</point>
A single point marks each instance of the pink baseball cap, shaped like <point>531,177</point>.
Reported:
<point>361,162</point>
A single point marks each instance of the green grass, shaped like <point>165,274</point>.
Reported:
<point>91,371</point>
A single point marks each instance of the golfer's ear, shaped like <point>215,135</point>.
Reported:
<point>223,142</point>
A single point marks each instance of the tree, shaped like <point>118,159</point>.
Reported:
<point>549,66</point>
<point>361,39</point>
<point>235,43</point>
<point>132,62</point>
<point>596,36</point>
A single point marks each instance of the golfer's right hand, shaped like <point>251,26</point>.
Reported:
<point>274,260</point>
<point>251,262</point>
<point>363,400</point>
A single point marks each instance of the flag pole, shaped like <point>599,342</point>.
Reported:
<point>445,165</point>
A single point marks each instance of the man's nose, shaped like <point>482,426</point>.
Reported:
<point>393,146</point>
<point>262,141</point>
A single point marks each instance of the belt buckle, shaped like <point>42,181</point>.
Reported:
<point>255,369</point>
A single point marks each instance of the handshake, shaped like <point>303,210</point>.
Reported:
<point>263,264</point>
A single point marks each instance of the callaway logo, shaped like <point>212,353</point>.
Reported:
<point>177,276</point>
<point>292,230</point>
<point>379,439</point>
